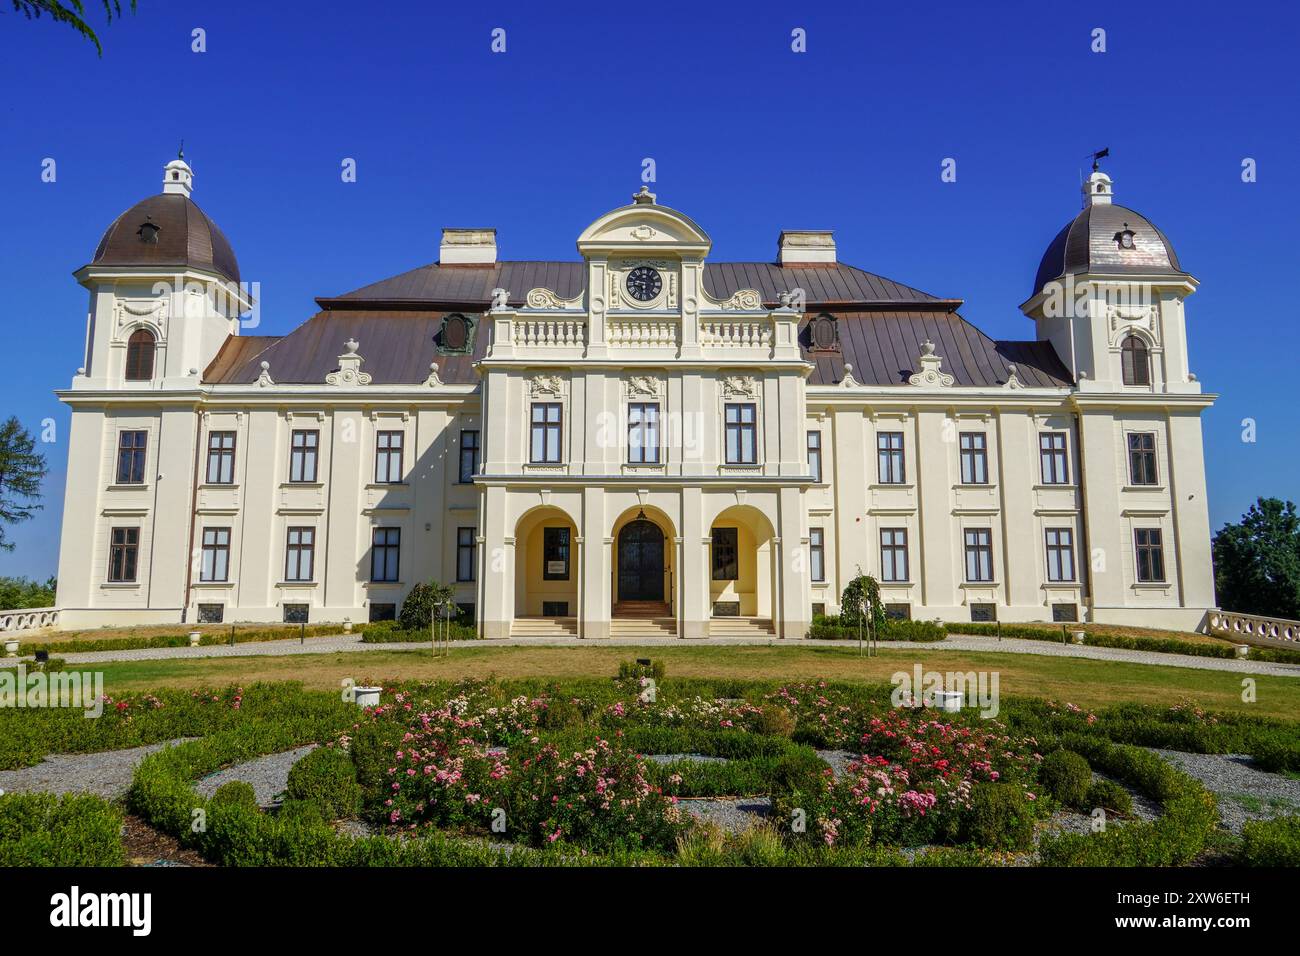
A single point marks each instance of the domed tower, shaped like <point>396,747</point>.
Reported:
<point>164,292</point>
<point>1109,297</point>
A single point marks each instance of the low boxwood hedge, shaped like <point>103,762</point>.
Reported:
<point>1273,842</point>
<point>327,779</point>
<point>41,829</point>
<point>830,629</point>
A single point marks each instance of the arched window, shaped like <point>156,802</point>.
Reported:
<point>139,356</point>
<point>1136,361</point>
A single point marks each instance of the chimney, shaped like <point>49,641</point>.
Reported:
<point>800,246</point>
<point>468,247</point>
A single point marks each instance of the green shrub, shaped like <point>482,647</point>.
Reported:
<point>41,829</point>
<point>633,670</point>
<point>1109,795</point>
<point>326,778</point>
<point>236,793</point>
<point>893,629</point>
<point>773,720</point>
<point>418,608</point>
<point>1271,842</point>
<point>1001,817</point>
<point>861,602</point>
<point>1067,777</point>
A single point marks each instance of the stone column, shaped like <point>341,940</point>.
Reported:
<point>694,566</point>
<point>496,566</point>
<point>793,597</point>
<point>595,596</point>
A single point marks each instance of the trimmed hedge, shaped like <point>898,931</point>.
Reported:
<point>1127,642</point>
<point>392,632</point>
<point>829,629</point>
<point>1273,842</point>
<point>327,779</point>
<point>275,633</point>
<point>41,829</point>
<point>1190,813</point>
<point>1067,777</point>
<point>1001,817</point>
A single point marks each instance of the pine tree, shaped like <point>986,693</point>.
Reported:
<point>22,469</point>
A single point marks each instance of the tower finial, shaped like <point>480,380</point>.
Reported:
<point>180,153</point>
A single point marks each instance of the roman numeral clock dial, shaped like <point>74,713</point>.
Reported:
<point>644,283</point>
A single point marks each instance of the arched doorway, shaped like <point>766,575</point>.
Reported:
<point>641,561</point>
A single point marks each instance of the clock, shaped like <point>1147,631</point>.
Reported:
<point>644,283</point>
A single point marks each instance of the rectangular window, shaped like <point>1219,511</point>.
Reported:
<point>221,458</point>
<point>893,554</point>
<point>889,448</point>
<point>979,554</point>
<point>383,612</point>
<point>303,448</point>
<point>1053,458</point>
<point>296,613</point>
<point>974,458</point>
<point>465,550</point>
<point>742,434</point>
<point>211,613</point>
<point>299,551</point>
<point>1060,554</point>
<point>1150,555</point>
<point>815,456</point>
<point>385,554</point>
<point>1142,458</point>
<point>898,612</point>
<point>131,448</point>
<point>1065,613</point>
<point>547,418</point>
<point>468,456</point>
<point>983,613</point>
<point>216,555</point>
<point>555,554</point>
<point>726,566</point>
<point>388,458</point>
<point>817,553</point>
<point>643,433</point>
<point>123,554</point>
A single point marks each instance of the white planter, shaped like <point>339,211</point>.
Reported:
<point>11,648</point>
<point>194,638</point>
<point>366,696</point>
<point>347,625</point>
<point>947,700</point>
<point>1243,650</point>
<point>1076,637</point>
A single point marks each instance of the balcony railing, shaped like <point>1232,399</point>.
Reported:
<point>550,332</point>
<point>28,619</point>
<point>736,333</point>
<point>1253,629</point>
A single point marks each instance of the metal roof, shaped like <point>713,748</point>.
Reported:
<point>1089,243</point>
<point>882,346</point>
<point>186,237</point>
<point>471,285</point>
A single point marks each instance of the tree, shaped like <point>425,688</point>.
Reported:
<point>73,13</point>
<point>21,472</point>
<point>1257,561</point>
<point>861,602</point>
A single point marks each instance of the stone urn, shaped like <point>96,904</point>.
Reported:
<point>366,696</point>
<point>347,625</point>
<point>1243,650</point>
<point>1076,637</point>
<point>11,647</point>
<point>195,637</point>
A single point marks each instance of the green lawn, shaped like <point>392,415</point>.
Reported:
<point>1080,681</point>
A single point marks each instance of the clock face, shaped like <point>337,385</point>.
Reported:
<point>644,283</point>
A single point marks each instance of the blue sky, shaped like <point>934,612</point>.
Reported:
<point>748,138</point>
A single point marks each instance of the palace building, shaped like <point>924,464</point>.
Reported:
<point>639,441</point>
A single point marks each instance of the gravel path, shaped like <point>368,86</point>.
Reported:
<point>1244,792</point>
<point>106,774</point>
<point>349,643</point>
<point>269,775</point>
<point>733,814</point>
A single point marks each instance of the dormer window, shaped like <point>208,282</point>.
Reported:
<point>455,334</point>
<point>1124,238</point>
<point>824,334</point>
<point>148,231</point>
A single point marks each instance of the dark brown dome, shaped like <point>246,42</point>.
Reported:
<point>1094,241</point>
<point>167,230</point>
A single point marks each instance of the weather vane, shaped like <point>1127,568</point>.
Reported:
<point>1098,156</point>
<point>180,153</point>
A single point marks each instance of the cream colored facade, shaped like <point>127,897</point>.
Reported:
<point>798,540</point>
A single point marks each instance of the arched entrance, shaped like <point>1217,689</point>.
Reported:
<point>640,562</point>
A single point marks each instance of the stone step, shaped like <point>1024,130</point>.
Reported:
<point>741,627</point>
<point>544,627</point>
<point>643,627</point>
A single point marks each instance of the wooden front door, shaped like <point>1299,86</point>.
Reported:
<point>641,562</point>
